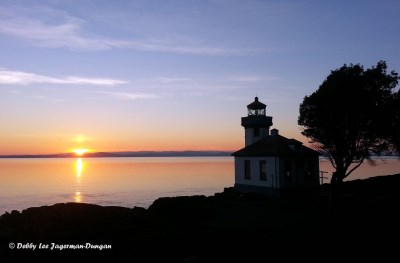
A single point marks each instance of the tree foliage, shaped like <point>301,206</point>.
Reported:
<point>353,115</point>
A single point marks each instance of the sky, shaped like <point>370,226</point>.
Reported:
<point>173,75</point>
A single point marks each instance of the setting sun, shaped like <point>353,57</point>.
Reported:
<point>80,152</point>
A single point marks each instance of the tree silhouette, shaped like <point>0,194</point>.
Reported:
<point>353,115</point>
<point>395,136</point>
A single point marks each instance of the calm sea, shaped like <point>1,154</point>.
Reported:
<point>129,182</point>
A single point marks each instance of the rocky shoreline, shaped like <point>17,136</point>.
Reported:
<point>225,227</point>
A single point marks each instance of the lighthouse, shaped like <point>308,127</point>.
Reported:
<point>270,163</point>
<point>256,124</point>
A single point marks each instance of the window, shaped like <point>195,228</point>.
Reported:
<point>256,132</point>
<point>288,170</point>
<point>256,112</point>
<point>247,169</point>
<point>263,170</point>
<point>310,171</point>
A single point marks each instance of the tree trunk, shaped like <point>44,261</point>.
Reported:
<point>336,182</point>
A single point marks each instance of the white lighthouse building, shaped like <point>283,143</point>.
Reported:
<point>270,163</point>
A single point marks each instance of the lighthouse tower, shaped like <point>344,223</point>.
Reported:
<point>256,124</point>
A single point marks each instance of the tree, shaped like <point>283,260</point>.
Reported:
<point>353,115</point>
<point>395,136</point>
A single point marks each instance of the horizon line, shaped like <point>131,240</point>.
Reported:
<point>142,153</point>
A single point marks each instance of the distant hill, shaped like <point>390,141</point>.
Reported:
<point>126,154</point>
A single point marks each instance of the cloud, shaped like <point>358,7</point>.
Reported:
<point>68,32</point>
<point>129,95</point>
<point>45,98</point>
<point>23,78</point>
<point>167,80</point>
<point>173,47</point>
<point>251,78</point>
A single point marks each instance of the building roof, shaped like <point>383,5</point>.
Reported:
<point>256,105</point>
<point>276,145</point>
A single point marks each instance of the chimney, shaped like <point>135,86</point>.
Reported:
<point>274,132</point>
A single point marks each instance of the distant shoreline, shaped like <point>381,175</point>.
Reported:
<point>125,154</point>
<point>145,154</point>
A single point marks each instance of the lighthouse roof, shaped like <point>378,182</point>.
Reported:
<point>256,105</point>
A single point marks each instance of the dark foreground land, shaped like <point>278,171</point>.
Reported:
<point>226,227</point>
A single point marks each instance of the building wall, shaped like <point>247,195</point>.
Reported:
<point>249,137</point>
<point>297,172</point>
<point>271,171</point>
<point>302,172</point>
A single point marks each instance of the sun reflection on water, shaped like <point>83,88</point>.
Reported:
<point>79,169</point>
<point>78,197</point>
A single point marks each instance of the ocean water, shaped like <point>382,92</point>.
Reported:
<point>128,182</point>
<point>383,166</point>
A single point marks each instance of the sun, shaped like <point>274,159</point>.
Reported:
<point>80,152</point>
